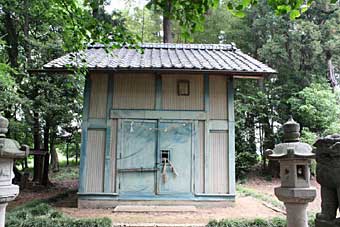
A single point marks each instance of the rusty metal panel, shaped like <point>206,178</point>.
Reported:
<point>218,163</point>
<point>133,91</point>
<point>218,97</point>
<point>113,152</point>
<point>172,101</point>
<point>95,161</point>
<point>98,95</point>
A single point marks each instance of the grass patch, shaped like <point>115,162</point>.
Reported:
<point>260,196</point>
<point>275,222</point>
<point>39,214</point>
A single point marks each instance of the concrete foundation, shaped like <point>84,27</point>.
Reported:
<point>99,204</point>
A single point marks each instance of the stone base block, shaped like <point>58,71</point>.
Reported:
<point>324,223</point>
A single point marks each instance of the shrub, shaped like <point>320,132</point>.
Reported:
<point>245,161</point>
<point>275,222</point>
<point>39,214</point>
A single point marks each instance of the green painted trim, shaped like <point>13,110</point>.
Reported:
<point>97,194</point>
<point>159,114</point>
<point>95,123</point>
<point>158,161</point>
<point>158,92</point>
<point>193,149</point>
<point>206,132</point>
<point>206,93</point>
<point>231,135</point>
<point>82,168</point>
<point>196,157</point>
<point>119,150</point>
<point>175,197</point>
<point>107,162</point>
<point>218,125</point>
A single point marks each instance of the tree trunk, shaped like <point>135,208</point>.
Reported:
<point>12,40</point>
<point>44,179</point>
<point>167,25</point>
<point>67,161</point>
<point>26,34</point>
<point>37,169</point>
<point>54,154</point>
<point>77,152</point>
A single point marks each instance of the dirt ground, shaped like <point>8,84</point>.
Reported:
<point>247,207</point>
<point>244,207</point>
<point>263,186</point>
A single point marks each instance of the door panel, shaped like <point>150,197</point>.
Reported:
<point>137,158</point>
<point>175,145</point>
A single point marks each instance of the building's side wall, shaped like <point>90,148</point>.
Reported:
<point>131,93</point>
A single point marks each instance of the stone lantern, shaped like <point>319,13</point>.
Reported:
<point>9,150</point>
<point>295,191</point>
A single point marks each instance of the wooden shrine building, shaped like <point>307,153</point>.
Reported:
<point>158,123</point>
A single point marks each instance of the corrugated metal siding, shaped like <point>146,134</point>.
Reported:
<point>98,96</point>
<point>218,97</point>
<point>95,161</point>
<point>201,156</point>
<point>218,163</point>
<point>134,91</point>
<point>171,100</point>
<point>113,145</point>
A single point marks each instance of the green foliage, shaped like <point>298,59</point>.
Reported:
<point>145,23</point>
<point>307,136</point>
<point>8,88</point>
<point>66,173</point>
<point>40,214</point>
<point>275,222</point>
<point>245,162</point>
<point>316,107</point>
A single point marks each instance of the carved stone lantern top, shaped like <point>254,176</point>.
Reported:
<point>9,148</point>
<point>291,146</point>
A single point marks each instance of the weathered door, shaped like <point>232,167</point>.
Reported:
<point>175,142</point>
<point>136,159</point>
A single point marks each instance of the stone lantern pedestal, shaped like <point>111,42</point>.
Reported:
<point>295,191</point>
<point>9,151</point>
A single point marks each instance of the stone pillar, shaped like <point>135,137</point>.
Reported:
<point>2,214</point>
<point>296,214</point>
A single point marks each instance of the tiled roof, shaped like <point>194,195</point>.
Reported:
<point>188,57</point>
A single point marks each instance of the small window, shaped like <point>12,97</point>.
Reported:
<point>183,88</point>
<point>165,156</point>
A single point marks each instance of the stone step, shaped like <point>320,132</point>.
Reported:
<point>146,209</point>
